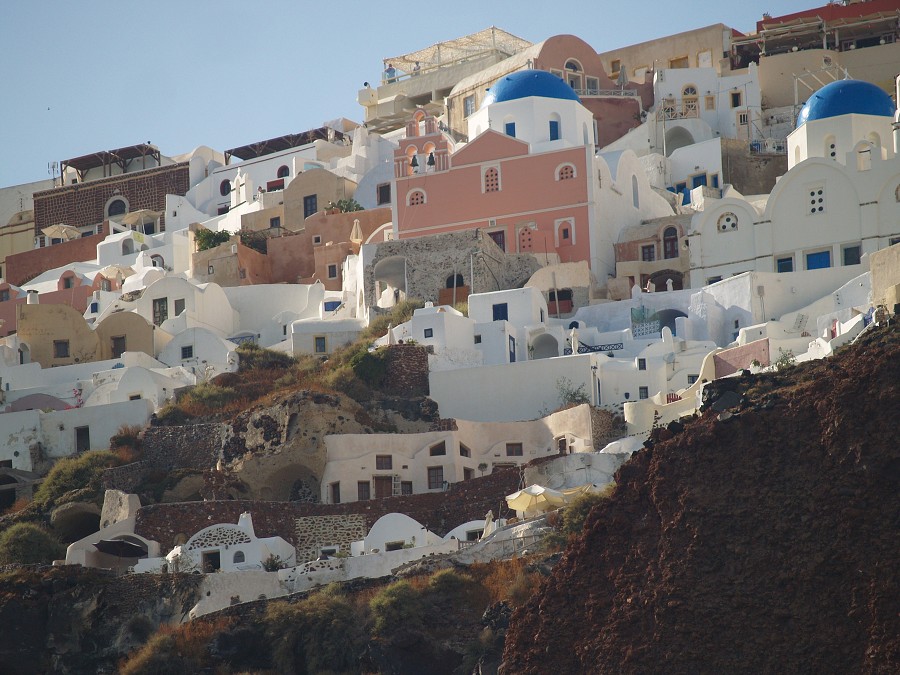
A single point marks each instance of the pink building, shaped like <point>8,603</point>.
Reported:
<point>526,177</point>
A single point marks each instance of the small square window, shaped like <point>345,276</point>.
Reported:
<point>320,347</point>
<point>643,392</point>
<point>464,451</point>
<point>187,352</point>
<point>437,450</point>
<point>383,194</point>
<point>275,222</point>
<point>384,462</point>
<point>134,397</point>
<point>406,487</point>
<point>692,378</point>
<point>332,272</point>
<point>784,264</point>
<point>60,349</point>
<point>648,253</point>
<point>852,254</point>
<point>514,450</point>
<point>713,280</point>
<point>317,239</point>
<point>642,364</point>
<point>4,295</point>
<point>429,332</point>
<point>477,340</point>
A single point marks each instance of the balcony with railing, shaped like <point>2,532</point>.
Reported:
<point>678,109</point>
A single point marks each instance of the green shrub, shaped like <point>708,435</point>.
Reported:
<point>394,606</point>
<point>255,357</point>
<point>370,367</point>
<point>577,512</point>
<point>75,473</point>
<point>207,239</point>
<point>27,543</point>
<point>345,381</point>
<point>210,395</point>
<point>318,634</point>
<point>400,313</point>
<point>449,581</point>
<point>172,414</point>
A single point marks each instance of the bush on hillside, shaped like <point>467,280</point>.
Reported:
<point>370,367</point>
<point>254,357</point>
<point>82,472</point>
<point>27,543</point>
<point>577,512</point>
<point>396,606</point>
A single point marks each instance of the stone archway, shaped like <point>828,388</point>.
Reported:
<point>659,279</point>
<point>667,318</point>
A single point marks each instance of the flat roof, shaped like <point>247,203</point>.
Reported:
<point>279,143</point>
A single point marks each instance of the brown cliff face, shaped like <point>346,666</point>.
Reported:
<point>765,543</point>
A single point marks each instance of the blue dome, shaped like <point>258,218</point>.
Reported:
<point>525,83</point>
<point>844,97</point>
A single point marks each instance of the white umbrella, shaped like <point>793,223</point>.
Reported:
<point>61,231</point>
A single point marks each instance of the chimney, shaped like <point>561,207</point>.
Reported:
<point>32,298</point>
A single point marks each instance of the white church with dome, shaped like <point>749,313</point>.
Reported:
<point>838,201</point>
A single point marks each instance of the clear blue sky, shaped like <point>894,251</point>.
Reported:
<point>100,74</point>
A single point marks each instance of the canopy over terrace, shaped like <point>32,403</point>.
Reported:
<point>121,157</point>
<point>459,49</point>
<point>280,143</point>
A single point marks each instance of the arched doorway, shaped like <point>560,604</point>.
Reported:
<point>667,318</point>
<point>544,346</point>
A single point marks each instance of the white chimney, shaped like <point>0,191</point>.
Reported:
<point>32,298</point>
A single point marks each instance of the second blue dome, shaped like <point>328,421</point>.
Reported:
<point>525,83</point>
<point>844,97</point>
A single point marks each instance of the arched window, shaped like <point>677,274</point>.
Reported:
<point>283,172</point>
<point>416,198</point>
<point>690,106</point>
<point>573,65</point>
<point>238,557</point>
<point>127,247</point>
<point>566,172</point>
<point>224,188</point>
<point>117,207</point>
<point>635,197</point>
<point>670,243</point>
<point>455,281</point>
<point>491,180</point>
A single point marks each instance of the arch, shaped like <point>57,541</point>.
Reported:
<point>238,557</point>
<point>635,195</point>
<point>283,171</point>
<point>564,232</point>
<point>389,275</point>
<point>797,155</point>
<point>689,101</point>
<point>455,281</point>
<point>677,137</point>
<point>415,198</point>
<point>544,346</point>
<point>670,243</point>
<point>127,246</point>
<point>874,138</point>
<point>116,206</point>
<point>157,260</point>
<point>667,317</point>
<point>24,353</point>
<point>565,172</point>
<point>573,65</point>
<point>863,152</point>
<point>225,188</point>
<point>412,159</point>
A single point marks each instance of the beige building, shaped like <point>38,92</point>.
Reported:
<point>17,236</point>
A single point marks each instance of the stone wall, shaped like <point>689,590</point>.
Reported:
<point>84,203</point>
<point>196,446</point>
<point>750,174</point>
<point>440,512</point>
<point>312,532</point>
<point>407,370</point>
<point>126,477</point>
<point>606,427</point>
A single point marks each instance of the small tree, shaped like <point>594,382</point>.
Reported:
<point>785,360</point>
<point>207,239</point>
<point>347,205</point>
<point>27,543</point>
<point>569,394</point>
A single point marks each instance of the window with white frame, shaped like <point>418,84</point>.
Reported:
<point>416,198</point>
<point>469,105</point>
<point>491,180</point>
<point>565,172</point>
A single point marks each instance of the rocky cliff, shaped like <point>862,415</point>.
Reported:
<point>763,539</point>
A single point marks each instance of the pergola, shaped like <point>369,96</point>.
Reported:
<point>279,143</point>
<point>459,49</point>
<point>121,157</point>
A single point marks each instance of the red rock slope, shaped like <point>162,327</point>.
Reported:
<point>768,543</point>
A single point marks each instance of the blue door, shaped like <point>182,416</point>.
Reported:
<point>511,129</point>
<point>697,181</point>
<point>818,261</point>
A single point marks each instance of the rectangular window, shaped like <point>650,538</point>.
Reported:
<point>320,347</point>
<point>60,349</point>
<point>852,254</point>
<point>383,194</point>
<point>437,450</point>
<point>743,118</point>
<point>554,130</point>
<point>477,339</point>
<point>435,477</point>
<point>160,310</point>
<point>406,487</point>
<point>332,272</point>
<point>648,253</point>
<point>592,84</point>
<point>642,364</point>
<point>317,239</point>
<point>187,352</point>
<point>737,99</point>
<point>680,62</point>
<point>614,67</point>
<point>510,129</point>
<point>464,451</point>
<point>179,306</point>
<point>384,462</point>
<point>429,332</point>
<point>469,105</point>
<point>514,450</point>
<point>893,241</point>
<point>134,397</point>
<point>713,280</point>
<point>275,222</point>
<point>499,238</point>
<point>118,346</point>
<point>4,295</point>
<point>692,378</point>
<point>709,102</point>
<point>468,474</point>
<point>335,493</point>
<point>363,491</point>
<point>818,260</point>
<point>784,264</point>
<point>310,205</point>
<point>643,392</point>
<point>501,312</point>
